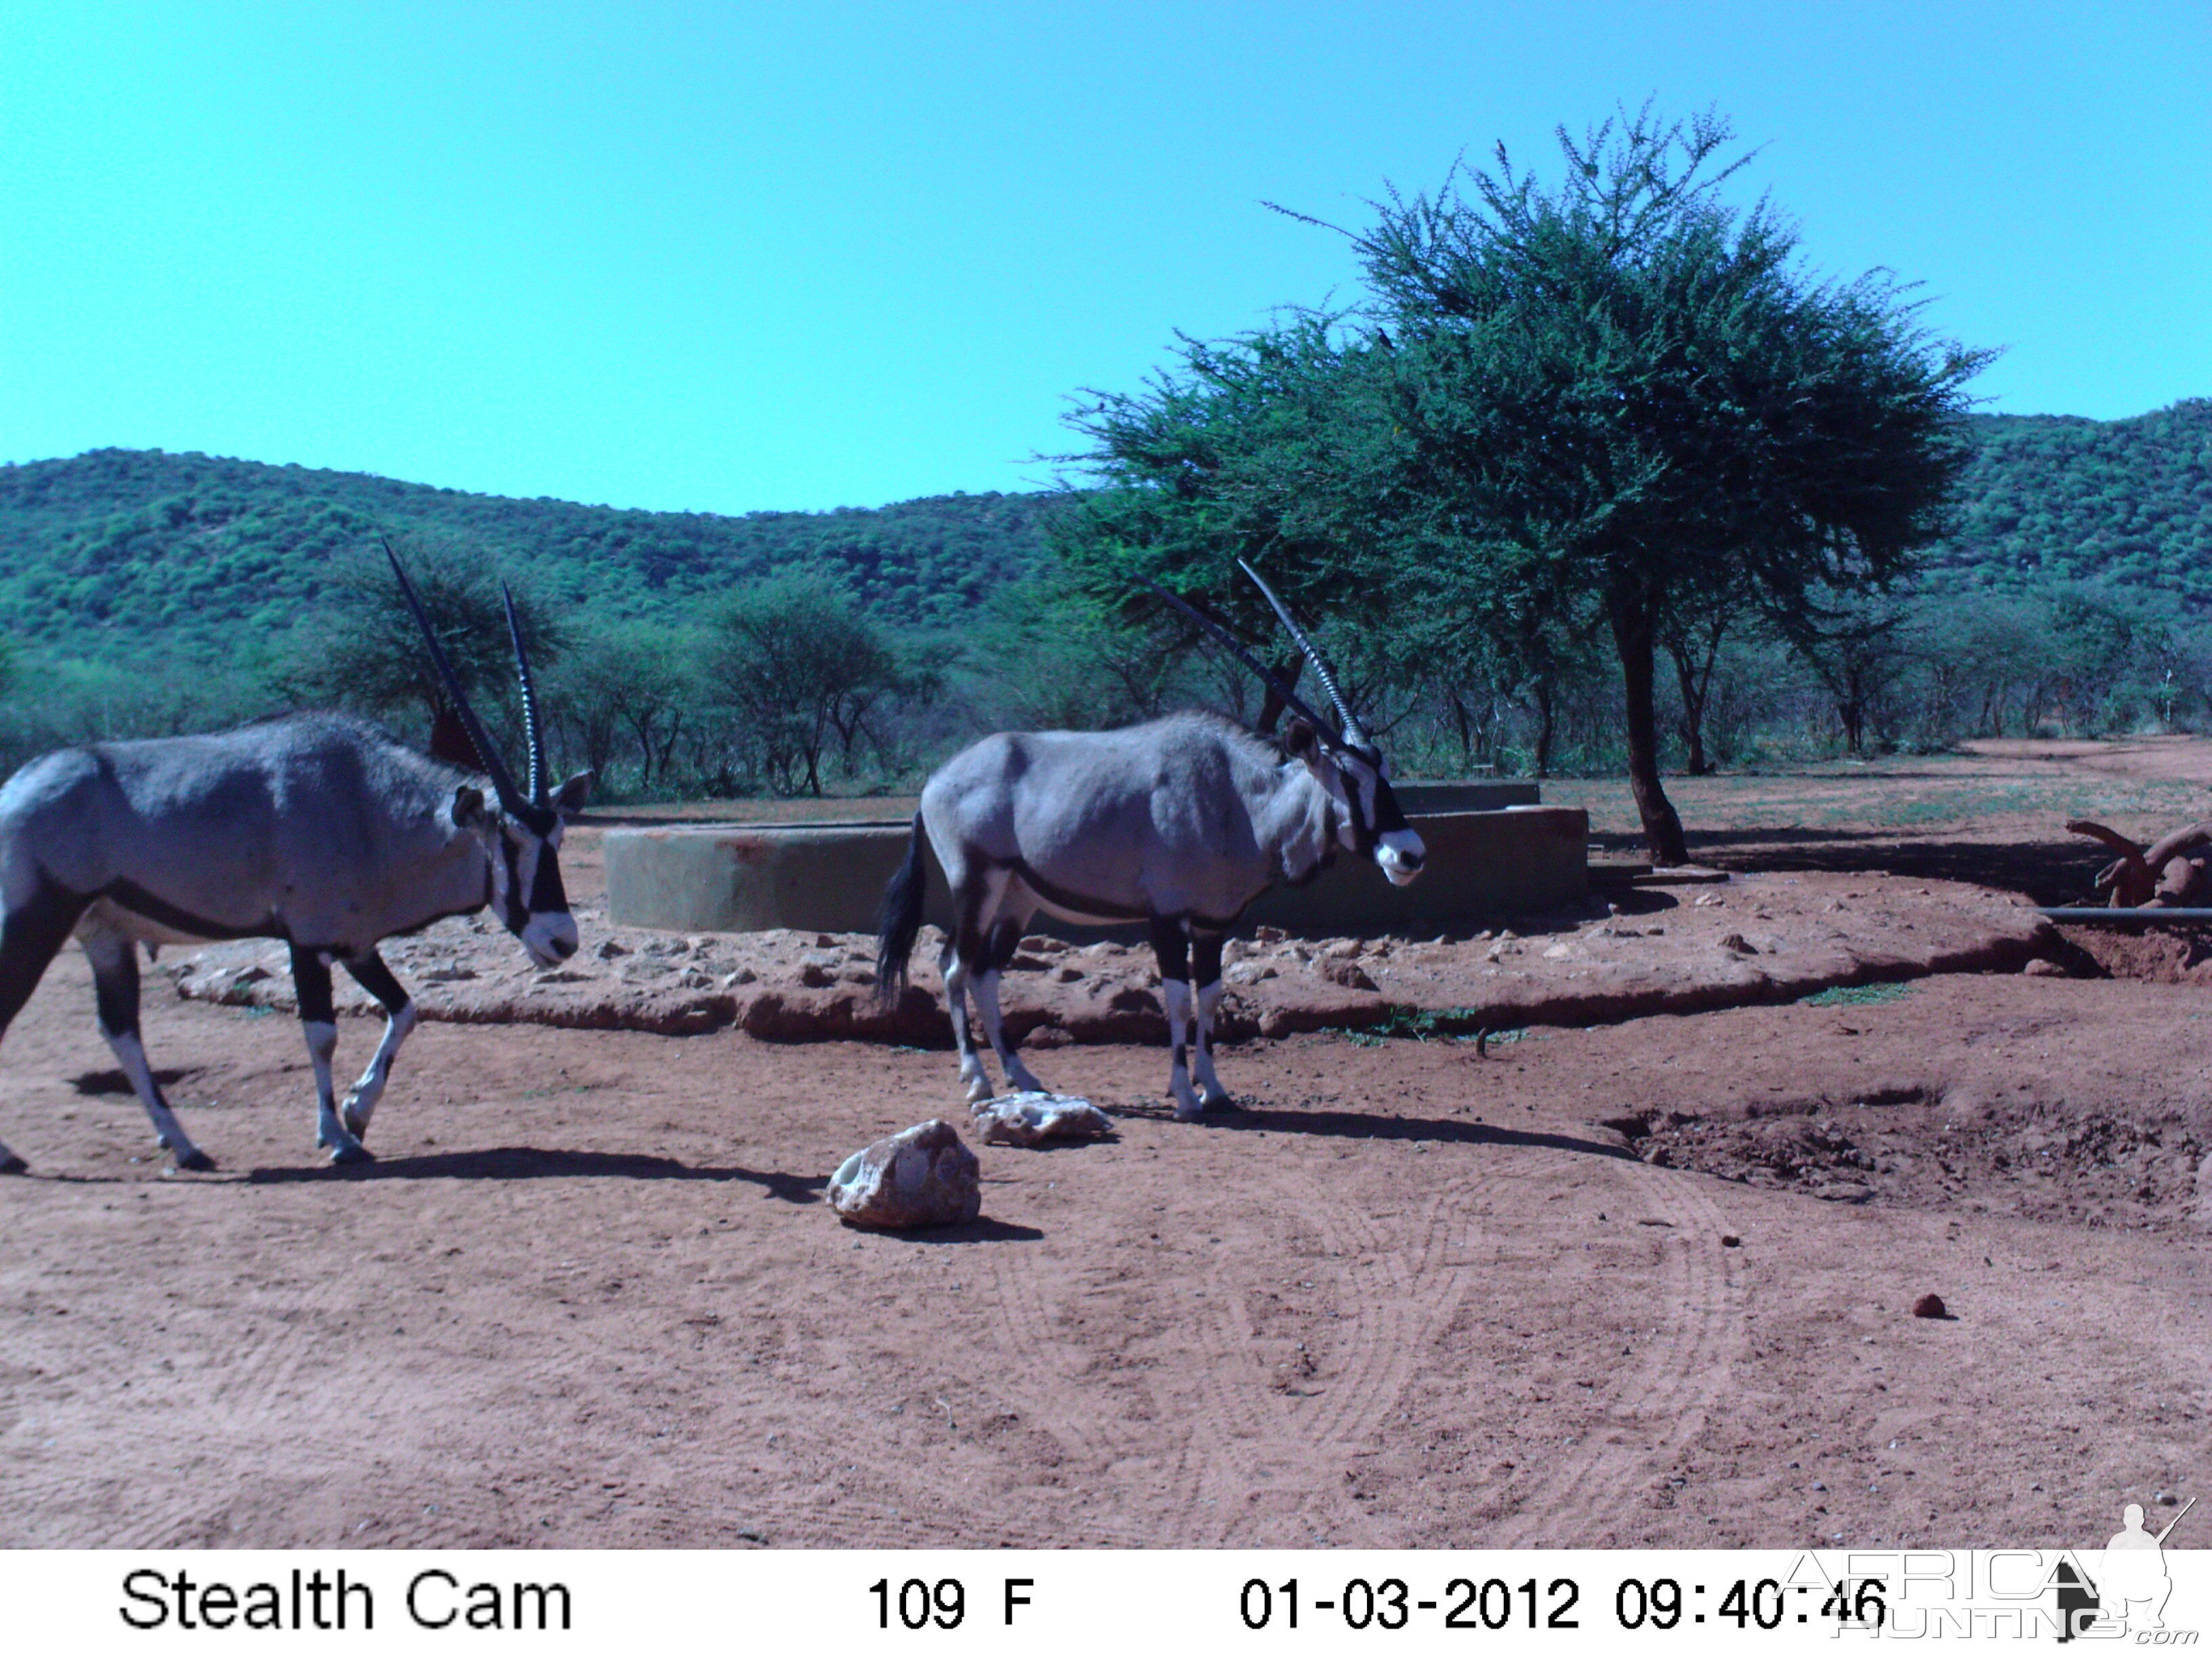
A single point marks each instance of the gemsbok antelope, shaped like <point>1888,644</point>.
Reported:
<point>1178,823</point>
<point>322,830</point>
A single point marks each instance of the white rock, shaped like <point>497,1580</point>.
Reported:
<point>1025,1119</point>
<point>919,1177</point>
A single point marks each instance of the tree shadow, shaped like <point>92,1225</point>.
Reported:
<point>1368,1126</point>
<point>535,1164</point>
<point>2048,872</point>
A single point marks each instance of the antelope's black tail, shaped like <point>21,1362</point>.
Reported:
<point>901,919</point>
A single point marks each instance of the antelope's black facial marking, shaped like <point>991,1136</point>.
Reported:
<point>533,904</point>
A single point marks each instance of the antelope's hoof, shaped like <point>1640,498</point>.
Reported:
<point>12,1165</point>
<point>1188,1111</point>
<point>351,1151</point>
<point>356,1126</point>
<point>1223,1103</point>
<point>197,1161</point>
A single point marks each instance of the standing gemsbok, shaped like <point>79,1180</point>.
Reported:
<point>1179,824</point>
<point>320,830</point>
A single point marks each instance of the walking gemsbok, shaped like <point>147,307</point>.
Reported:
<point>322,830</point>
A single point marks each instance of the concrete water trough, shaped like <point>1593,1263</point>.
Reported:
<point>1492,852</point>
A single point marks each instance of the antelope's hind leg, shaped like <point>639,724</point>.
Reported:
<point>369,972</point>
<point>31,931</point>
<point>318,1025</point>
<point>115,984</point>
<point>982,940</point>
<point>998,953</point>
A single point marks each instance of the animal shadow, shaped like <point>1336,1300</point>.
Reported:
<point>540,1163</point>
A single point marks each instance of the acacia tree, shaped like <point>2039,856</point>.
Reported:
<point>1618,400</point>
<point>791,656</point>
<point>369,653</point>
<point>1272,447</point>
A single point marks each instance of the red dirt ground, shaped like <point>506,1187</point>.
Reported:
<point>1647,1281</point>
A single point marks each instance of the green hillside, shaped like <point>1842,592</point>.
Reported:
<point>2052,498</point>
<point>111,549</point>
<point>116,546</point>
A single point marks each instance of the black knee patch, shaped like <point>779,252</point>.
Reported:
<point>1005,939</point>
<point>1205,959</point>
<point>1171,946</point>
<point>373,976</point>
<point>115,986</point>
<point>310,984</point>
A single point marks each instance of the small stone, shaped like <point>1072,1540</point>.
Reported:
<point>741,976</point>
<point>1730,1241</point>
<point>1350,975</point>
<point>2043,969</point>
<point>1737,944</point>
<point>923,1176</point>
<point>1930,1306</point>
<point>608,949</point>
<point>1032,1116</point>
<point>1269,935</point>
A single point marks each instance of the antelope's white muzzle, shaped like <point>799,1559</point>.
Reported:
<point>550,938</point>
<point>1401,855</point>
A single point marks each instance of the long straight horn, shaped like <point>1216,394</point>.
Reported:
<point>502,779</point>
<point>1269,677</point>
<point>538,770</point>
<point>1353,732</point>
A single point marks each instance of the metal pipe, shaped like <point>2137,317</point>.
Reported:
<point>2147,917</point>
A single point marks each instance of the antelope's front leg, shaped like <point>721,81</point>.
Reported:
<point>1171,949</point>
<point>311,983</point>
<point>370,973</point>
<point>1206,973</point>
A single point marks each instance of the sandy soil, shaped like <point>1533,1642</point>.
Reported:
<point>1641,1277</point>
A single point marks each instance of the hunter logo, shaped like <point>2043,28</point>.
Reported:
<point>2129,1593</point>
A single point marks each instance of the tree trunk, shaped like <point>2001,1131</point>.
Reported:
<point>1693,712</point>
<point>1633,637</point>
<point>1694,661</point>
<point>1546,724</point>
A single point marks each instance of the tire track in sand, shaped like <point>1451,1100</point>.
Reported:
<point>1680,1374</point>
<point>1398,1283</point>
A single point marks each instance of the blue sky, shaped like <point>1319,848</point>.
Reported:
<point>725,257</point>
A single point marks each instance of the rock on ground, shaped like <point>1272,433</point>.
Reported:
<point>1031,1117</point>
<point>920,1177</point>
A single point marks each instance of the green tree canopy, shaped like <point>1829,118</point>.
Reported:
<point>369,653</point>
<point>1622,401</point>
<point>792,656</point>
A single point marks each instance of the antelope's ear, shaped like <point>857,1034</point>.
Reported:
<point>468,807</point>
<point>1301,742</point>
<point>568,800</point>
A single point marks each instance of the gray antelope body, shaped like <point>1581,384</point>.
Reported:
<point>1179,824</point>
<point>321,830</point>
